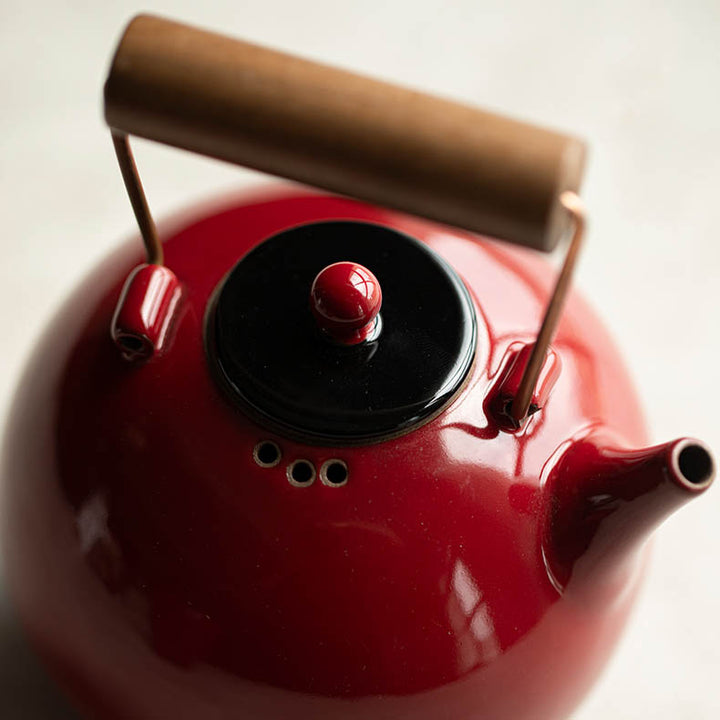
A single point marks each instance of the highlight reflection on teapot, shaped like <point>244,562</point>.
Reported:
<point>320,456</point>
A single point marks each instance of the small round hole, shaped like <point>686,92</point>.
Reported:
<point>266,454</point>
<point>301,473</point>
<point>132,343</point>
<point>134,347</point>
<point>696,464</point>
<point>334,473</point>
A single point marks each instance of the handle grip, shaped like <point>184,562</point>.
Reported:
<point>341,132</point>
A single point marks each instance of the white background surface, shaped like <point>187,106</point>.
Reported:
<point>639,80</point>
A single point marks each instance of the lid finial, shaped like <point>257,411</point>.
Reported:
<point>345,299</point>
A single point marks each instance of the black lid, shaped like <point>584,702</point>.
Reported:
<point>279,367</point>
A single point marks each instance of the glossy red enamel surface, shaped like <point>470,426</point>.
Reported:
<point>605,501</point>
<point>143,320</point>
<point>507,384</point>
<point>345,299</point>
<point>163,573</point>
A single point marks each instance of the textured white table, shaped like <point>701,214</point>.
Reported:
<point>639,80</point>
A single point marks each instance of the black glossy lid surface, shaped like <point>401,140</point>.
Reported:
<point>280,368</point>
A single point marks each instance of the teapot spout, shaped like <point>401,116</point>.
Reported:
<point>604,501</point>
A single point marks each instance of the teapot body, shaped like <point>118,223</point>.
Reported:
<point>163,568</point>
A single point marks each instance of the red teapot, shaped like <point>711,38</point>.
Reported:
<point>331,456</point>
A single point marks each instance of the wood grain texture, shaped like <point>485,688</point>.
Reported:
<point>341,132</point>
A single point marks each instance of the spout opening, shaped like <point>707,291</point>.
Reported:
<point>693,465</point>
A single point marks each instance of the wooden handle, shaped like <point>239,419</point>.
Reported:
<point>341,132</point>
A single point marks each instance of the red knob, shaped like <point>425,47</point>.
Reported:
<point>345,298</point>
